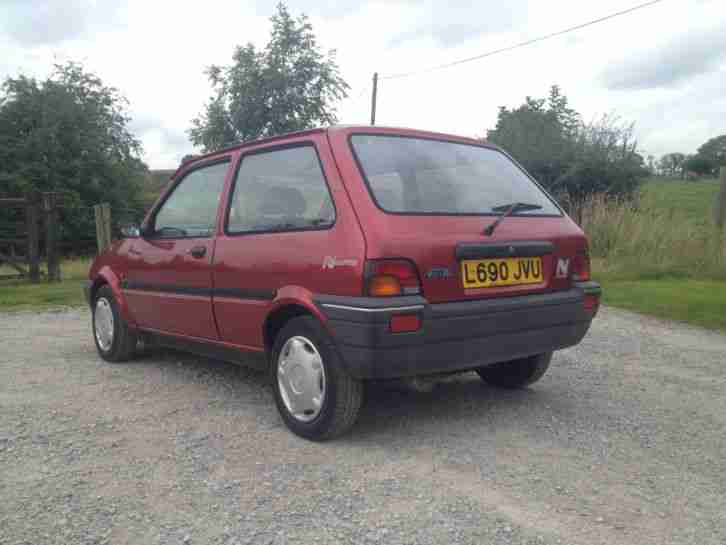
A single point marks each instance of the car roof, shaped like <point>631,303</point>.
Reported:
<point>368,129</point>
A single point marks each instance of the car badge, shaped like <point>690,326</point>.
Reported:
<point>438,273</point>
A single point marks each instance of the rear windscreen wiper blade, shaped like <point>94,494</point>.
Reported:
<point>508,210</point>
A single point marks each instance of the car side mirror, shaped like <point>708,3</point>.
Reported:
<point>131,231</point>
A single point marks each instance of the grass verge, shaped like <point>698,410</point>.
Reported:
<point>661,255</point>
<point>21,295</point>
<point>698,302</point>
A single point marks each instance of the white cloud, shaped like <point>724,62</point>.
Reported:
<point>155,52</point>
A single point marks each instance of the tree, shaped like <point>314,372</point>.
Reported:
<point>604,159</point>
<point>672,163</point>
<point>570,158</point>
<point>699,165</point>
<point>714,150</point>
<point>651,166</point>
<point>289,85</point>
<point>69,134</point>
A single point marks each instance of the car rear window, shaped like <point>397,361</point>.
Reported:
<point>421,176</point>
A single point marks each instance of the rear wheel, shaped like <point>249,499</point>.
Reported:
<point>316,397</point>
<point>516,373</point>
<point>115,341</point>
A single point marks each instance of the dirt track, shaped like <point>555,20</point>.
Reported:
<point>623,441</point>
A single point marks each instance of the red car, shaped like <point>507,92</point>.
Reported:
<point>330,257</point>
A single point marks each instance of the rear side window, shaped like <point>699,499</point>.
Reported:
<point>421,176</point>
<point>280,190</point>
<point>191,209</point>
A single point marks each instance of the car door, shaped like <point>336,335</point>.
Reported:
<point>169,280</point>
<point>281,222</point>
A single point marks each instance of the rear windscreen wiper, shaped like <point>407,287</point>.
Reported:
<point>508,210</point>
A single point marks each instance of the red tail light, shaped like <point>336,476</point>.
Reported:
<point>405,323</point>
<point>581,266</point>
<point>592,302</point>
<point>390,277</point>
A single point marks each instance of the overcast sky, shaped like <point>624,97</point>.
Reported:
<point>663,67</point>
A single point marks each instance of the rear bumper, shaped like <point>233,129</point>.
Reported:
<point>454,336</point>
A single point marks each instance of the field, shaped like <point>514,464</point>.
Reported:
<point>20,295</point>
<point>662,256</point>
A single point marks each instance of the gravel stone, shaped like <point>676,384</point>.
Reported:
<point>623,441</point>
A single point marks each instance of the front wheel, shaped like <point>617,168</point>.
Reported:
<point>315,396</point>
<point>114,339</point>
<point>516,373</point>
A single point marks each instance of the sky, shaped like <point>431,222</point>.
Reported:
<point>662,67</point>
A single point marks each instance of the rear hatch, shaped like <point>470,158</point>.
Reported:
<point>455,262</point>
<point>432,202</point>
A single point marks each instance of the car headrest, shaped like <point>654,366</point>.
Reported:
<point>283,201</point>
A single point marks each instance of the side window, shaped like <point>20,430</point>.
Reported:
<point>191,209</point>
<point>388,189</point>
<point>280,190</point>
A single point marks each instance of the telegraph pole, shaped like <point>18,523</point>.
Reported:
<point>373,98</point>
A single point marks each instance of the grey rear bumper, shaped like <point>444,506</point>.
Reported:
<point>454,336</point>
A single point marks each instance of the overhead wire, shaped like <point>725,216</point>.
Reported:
<point>520,44</point>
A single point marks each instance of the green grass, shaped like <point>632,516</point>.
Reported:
<point>663,256</point>
<point>692,199</point>
<point>699,302</point>
<point>21,295</point>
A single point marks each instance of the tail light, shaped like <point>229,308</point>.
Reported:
<point>405,323</point>
<point>592,302</point>
<point>581,266</point>
<point>390,277</point>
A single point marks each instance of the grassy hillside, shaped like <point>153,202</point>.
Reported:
<point>664,255</point>
<point>20,295</point>
<point>692,199</point>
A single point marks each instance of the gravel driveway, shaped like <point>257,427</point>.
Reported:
<point>623,441</point>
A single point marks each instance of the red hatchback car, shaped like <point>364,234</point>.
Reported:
<point>330,257</point>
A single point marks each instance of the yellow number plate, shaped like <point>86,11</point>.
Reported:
<point>510,271</point>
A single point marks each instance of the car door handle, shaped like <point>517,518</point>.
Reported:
<point>198,252</point>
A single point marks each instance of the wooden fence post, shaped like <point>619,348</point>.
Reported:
<point>51,236</point>
<point>32,216</point>
<point>719,206</point>
<point>102,213</point>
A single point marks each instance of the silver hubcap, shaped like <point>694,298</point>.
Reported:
<point>103,322</point>
<point>301,378</point>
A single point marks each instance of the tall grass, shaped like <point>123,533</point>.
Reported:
<point>630,240</point>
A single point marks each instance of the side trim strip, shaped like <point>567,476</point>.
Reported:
<point>238,293</point>
<point>382,309</point>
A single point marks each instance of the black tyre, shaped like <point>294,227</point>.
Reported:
<point>516,373</point>
<point>115,341</point>
<point>316,397</point>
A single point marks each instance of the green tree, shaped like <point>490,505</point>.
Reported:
<point>570,158</point>
<point>69,134</point>
<point>699,165</point>
<point>289,85</point>
<point>714,150</point>
<point>672,163</point>
<point>538,134</point>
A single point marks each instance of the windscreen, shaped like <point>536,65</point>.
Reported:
<point>421,176</point>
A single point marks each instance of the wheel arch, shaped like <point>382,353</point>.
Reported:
<point>106,277</point>
<point>290,303</point>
